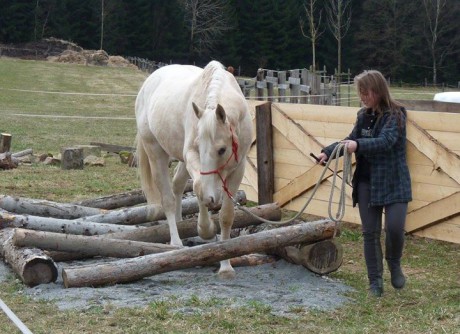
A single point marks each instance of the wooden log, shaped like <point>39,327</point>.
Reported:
<point>128,270</point>
<point>57,225</point>
<point>7,161</point>
<point>116,201</point>
<point>142,214</point>
<point>72,158</point>
<point>32,265</point>
<point>252,260</point>
<point>86,245</point>
<point>124,199</point>
<point>113,148</point>
<point>188,228</point>
<point>22,153</point>
<point>45,208</point>
<point>322,257</point>
<point>5,142</point>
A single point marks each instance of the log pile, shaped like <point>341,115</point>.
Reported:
<point>35,234</point>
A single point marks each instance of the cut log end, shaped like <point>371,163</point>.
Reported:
<point>39,271</point>
<point>322,257</point>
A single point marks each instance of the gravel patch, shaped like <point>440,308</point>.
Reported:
<point>281,286</point>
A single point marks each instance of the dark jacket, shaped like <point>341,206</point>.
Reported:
<point>385,152</point>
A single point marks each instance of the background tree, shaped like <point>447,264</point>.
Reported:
<point>441,33</point>
<point>313,33</point>
<point>387,39</point>
<point>339,19</point>
<point>206,21</point>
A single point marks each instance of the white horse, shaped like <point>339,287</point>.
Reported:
<point>201,118</point>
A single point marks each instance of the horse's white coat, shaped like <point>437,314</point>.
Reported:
<point>192,115</point>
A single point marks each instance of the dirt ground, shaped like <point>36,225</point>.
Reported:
<point>281,286</point>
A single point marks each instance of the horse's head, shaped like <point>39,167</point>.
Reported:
<point>218,150</point>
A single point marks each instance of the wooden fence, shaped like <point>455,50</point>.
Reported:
<point>280,169</point>
<point>295,86</point>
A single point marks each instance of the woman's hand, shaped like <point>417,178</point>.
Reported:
<point>322,158</point>
<point>351,145</point>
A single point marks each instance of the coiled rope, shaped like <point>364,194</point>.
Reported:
<point>347,175</point>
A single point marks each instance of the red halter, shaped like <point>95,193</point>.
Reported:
<point>217,171</point>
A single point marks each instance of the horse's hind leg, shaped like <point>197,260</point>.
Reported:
<point>179,181</point>
<point>159,165</point>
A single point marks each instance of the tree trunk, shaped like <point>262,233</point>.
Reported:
<point>86,245</point>
<point>32,265</point>
<point>142,214</point>
<point>60,225</point>
<point>188,228</point>
<point>45,208</point>
<point>128,270</point>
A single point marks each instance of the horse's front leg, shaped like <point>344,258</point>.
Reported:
<point>226,217</point>
<point>206,227</point>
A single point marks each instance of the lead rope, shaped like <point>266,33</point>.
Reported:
<point>347,175</point>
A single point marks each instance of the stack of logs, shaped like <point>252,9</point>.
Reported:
<point>34,234</point>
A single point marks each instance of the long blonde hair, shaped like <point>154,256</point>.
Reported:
<point>374,81</point>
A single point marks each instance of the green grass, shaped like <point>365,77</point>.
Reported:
<point>429,304</point>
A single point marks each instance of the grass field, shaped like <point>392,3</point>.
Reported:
<point>35,111</point>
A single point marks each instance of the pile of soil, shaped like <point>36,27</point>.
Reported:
<point>57,50</point>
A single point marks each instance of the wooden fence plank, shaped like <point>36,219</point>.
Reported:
<point>433,213</point>
<point>438,153</point>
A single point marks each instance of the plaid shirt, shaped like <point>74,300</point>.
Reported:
<point>386,153</point>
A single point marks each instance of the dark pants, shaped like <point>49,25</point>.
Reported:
<point>371,220</point>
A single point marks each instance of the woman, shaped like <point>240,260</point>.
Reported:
<point>381,181</point>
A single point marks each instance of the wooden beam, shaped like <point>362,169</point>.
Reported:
<point>433,213</point>
<point>265,171</point>
<point>441,156</point>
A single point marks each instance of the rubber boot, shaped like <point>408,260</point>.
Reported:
<point>374,262</point>
<point>393,253</point>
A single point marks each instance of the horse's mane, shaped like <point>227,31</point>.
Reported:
<point>213,77</point>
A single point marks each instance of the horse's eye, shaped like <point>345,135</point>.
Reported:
<point>221,151</point>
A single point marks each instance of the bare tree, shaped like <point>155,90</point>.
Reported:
<point>206,20</point>
<point>438,25</point>
<point>313,32</point>
<point>102,23</point>
<point>42,13</point>
<point>339,19</point>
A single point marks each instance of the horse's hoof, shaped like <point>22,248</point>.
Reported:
<point>226,274</point>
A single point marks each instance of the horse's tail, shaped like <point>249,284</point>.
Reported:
<point>145,173</point>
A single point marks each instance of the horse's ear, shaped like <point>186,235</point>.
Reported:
<point>220,113</point>
<point>198,111</point>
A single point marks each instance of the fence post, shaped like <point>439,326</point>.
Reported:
<point>265,170</point>
<point>282,85</point>
<point>260,84</point>
<point>294,83</point>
